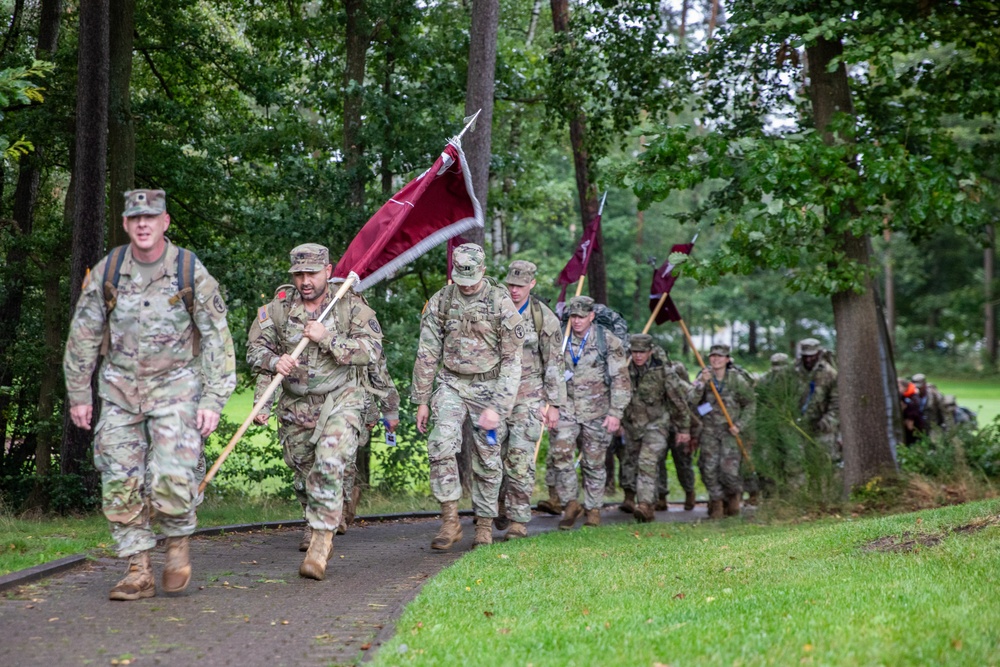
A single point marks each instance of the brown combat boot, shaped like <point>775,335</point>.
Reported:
<point>517,530</point>
<point>593,518</point>
<point>661,503</point>
<point>351,507</point>
<point>628,505</point>
<point>688,501</point>
<point>501,521</point>
<point>484,532</point>
<point>733,505</point>
<point>306,538</point>
<point>644,513</point>
<point>320,550</point>
<point>177,571</point>
<point>715,510</point>
<point>451,529</point>
<point>342,526</point>
<point>570,515</point>
<point>138,582</point>
<point>552,505</point>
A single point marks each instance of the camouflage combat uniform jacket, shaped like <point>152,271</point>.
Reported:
<point>659,397</point>
<point>820,405</point>
<point>599,387</point>
<point>477,341</point>
<point>330,371</point>
<point>382,395</point>
<point>737,395</point>
<point>150,362</point>
<point>542,366</point>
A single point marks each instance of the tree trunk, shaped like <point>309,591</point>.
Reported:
<point>89,176</point>
<point>358,37</point>
<point>585,190</point>
<point>866,400</point>
<point>990,328</point>
<point>25,197</point>
<point>481,76</point>
<point>752,338</point>
<point>388,140</point>
<point>890,288</point>
<point>121,127</point>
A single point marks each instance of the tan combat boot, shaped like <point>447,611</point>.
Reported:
<point>644,513</point>
<point>570,515</point>
<point>451,529</point>
<point>351,507</point>
<point>342,526</point>
<point>517,530</point>
<point>661,503</point>
<point>306,538</point>
<point>484,532</point>
<point>320,550</point>
<point>593,518</point>
<point>628,505</point>
<point>715,510</point>
<point>177,571</point>
<point>552,505</point>
<point>733,505</point>
<point>688,501</point>
<point>138,582</point>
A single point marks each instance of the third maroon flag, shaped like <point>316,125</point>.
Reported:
<point>663,281</point>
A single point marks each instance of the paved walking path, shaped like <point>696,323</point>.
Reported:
<point>246,605</point>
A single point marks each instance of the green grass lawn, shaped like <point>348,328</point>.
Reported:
<point>982,396</point>
<point>728,593</point>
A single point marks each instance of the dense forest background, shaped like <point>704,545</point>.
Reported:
<point>774,130</point>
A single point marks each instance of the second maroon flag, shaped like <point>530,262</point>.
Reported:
<point>663,282</point>
<point>577,265</point>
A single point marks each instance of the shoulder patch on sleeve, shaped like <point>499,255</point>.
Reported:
<point>219,304</point>
<point>519,331</point>
<point>373,324</point>
<point>263,319</point>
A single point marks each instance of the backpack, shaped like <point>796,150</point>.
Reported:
<point>610,320</point>
<point>185,284</point>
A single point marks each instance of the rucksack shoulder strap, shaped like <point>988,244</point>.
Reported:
<point>112,274</point>
<point>283,295</point>
<point>185,291</point>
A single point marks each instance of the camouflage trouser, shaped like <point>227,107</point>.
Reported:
<point>682,464</point>
<point>319,467</point>
<point>351,471</point>
<point>719,463</point>
<point>594,441</point>
<point>125,444</point>
<point>524,428</point>
<point>448,411</point>
<point>646,452</point>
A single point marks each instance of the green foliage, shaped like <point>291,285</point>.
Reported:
<point>945,455</point>
<point>255,467</point>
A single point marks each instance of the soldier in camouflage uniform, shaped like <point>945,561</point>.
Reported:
<point>470,329</point>
<point>658,405</point>
<point>683,454</point>
<point>931,402</point>
<point>820,406</point>
<point>598,391</point>
<point>323,393</point>
<point>166,374</point>
<point>720,455</point>
<point>541,385</point>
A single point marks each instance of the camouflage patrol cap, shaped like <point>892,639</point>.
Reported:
<point>779,360</point>
<point>640,342</point>
<point>719,349</point>
<point>809,347</point>
<point>468,265</point>
<point>521,272</point>
<point>580,306</point>
<point>309,258</point>
<point>919,379</point>
<point>145,202</point>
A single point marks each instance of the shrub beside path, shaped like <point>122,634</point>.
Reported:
<point>246,605</point>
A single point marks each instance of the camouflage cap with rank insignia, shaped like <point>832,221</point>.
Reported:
<point>720,350</point>
<point>468,265</point>
<point>145,202</point>
<point>580,306</point>
<point>521,272</point>
<point>809,347</point>
<point>640,342</point>
<point>309,258</point>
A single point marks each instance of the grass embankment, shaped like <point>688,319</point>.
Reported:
<point>725,593</point>
<point>982,396</point>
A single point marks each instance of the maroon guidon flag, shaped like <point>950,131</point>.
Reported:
<point>663,281</point>
<point>577,265</point>
<point>432,208</point>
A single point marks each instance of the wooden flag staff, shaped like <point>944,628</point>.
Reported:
<point>266,396</point>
